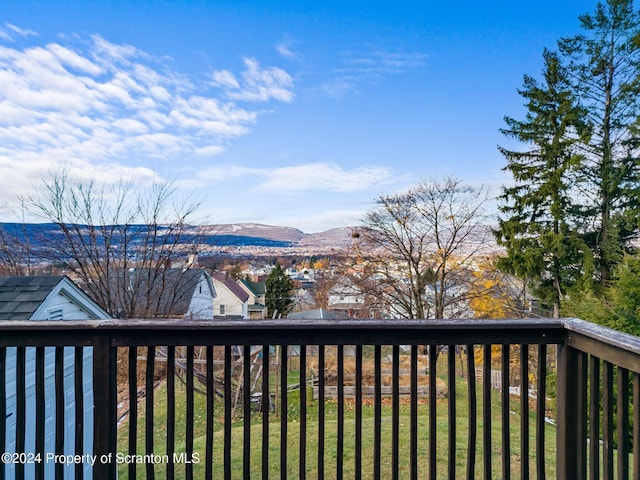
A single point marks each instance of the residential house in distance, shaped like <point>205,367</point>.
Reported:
<point>257,297</point>
<point>302,300</point>
<point>231,301</point>
<point>348,299</point>
<point>46,298</point>
<point>166,293</point>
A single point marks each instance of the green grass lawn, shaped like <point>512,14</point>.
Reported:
<point>330,450</point>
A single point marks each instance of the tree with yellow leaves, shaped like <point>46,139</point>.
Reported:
<point>494,294</point>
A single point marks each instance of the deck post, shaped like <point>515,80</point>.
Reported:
<point>104,413</point>
<point>568,445</point>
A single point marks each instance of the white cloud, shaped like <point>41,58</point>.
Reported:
<point>70,58</point>
<point>108,52</point>
<point>368,67</point>
<point>385,62</point>
<point>285,49</point>
<point>257,84</point>
<point>9,32</point>
<point>130,126</point>
<point>340,87</point>
<point>91,103</point>
<point>209,151</point>
<point>220,173</point>
<point>319,176</point>
<point>322,176</point>
<point>226,79</point>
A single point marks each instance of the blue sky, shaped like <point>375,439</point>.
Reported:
<point>285,113</point>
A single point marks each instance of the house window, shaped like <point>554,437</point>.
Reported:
<point>223,309</point>
<point>55,314</point>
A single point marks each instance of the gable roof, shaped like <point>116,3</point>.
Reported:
<point>231,285</point>
<point>256,288</point>
<point>21,297</point>
<point>167,292</point>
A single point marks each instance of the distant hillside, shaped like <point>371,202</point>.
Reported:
<point>336,237</point>
<point>237,235</point>
<point>254,230</point>
<point>333,238</point>
<point>237,239</point>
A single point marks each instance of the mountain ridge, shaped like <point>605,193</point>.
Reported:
<point>221,235</point>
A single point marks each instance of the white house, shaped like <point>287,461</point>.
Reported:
<point>46,298</point>
<point>346,296</point>
<point>231,299</point>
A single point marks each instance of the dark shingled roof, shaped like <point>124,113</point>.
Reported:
<point>20,297</point>
<point>170,290</point>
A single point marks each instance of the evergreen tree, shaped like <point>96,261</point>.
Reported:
<point>534,226</point>
<point>279,292</point>
<point>604,67</point>
<point>619,306</point>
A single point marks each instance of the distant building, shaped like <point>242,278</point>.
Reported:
<point>165,293</point>
<point>347,298</point>
<point>231,301</point>
<point>257,297</point>
<point>302,300</point>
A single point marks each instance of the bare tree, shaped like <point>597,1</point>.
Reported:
<point>324,282</point>
<point>419,246</point>
<point>118,242</point>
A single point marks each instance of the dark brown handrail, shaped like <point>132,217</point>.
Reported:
<point>591,361</point>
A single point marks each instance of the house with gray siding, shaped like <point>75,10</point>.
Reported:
<point>166,292</point>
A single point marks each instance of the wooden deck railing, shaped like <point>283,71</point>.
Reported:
<point>324,399</point>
